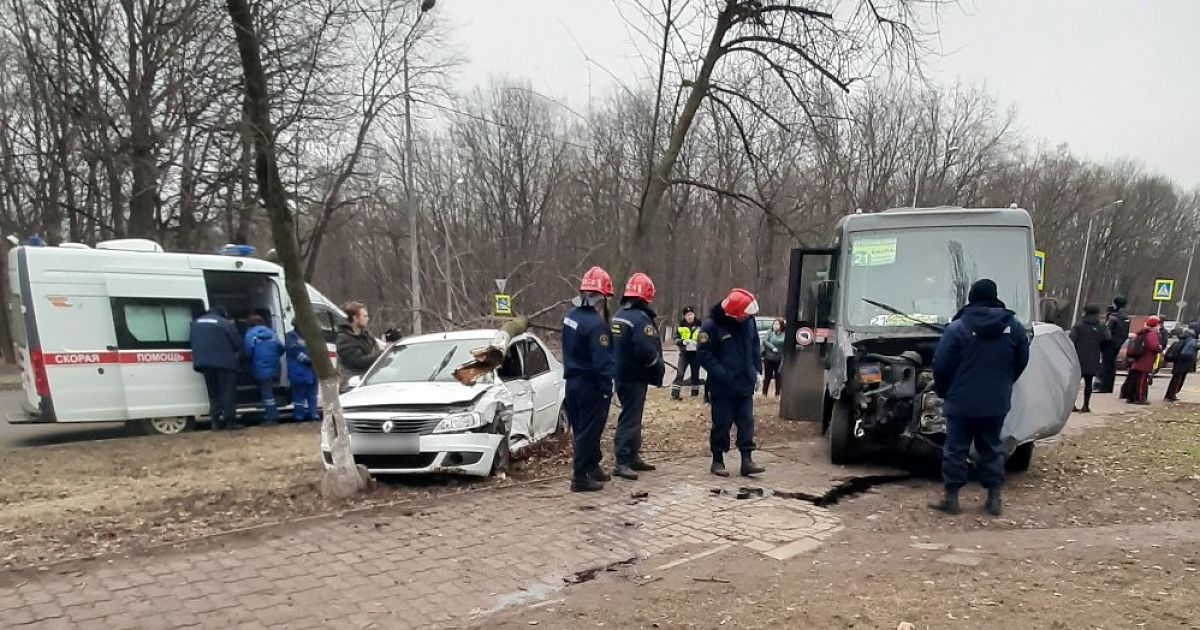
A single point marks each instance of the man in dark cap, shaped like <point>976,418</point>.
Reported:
<point>1117,322</point>
<point>981,354</point>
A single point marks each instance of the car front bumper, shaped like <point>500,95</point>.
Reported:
<point>456,453</point>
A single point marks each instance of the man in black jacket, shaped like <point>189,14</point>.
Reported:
<point>357,350</point>
<point>216,352</point>
<point>1118,332</point>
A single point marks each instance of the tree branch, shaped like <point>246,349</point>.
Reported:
<point>795,48</point>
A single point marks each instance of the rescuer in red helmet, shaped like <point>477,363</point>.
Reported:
<point>639,365</point>
<point>589,369</point>
<point>730,354</point>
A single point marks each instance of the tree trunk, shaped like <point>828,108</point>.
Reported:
<point>344,479</point>
<point>637,242</point>
<point>142,199</point>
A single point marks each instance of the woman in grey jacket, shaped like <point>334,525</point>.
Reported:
<point>772,353</point>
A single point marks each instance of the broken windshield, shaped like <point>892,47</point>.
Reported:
<point>421,362</point>
<point>926,273</point>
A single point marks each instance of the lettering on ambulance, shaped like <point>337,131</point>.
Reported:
<point>80,358</point>
<point>167,356</point>
<point>100,358</point>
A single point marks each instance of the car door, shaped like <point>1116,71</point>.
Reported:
<point>512,374</point>
<point>809,338</point>
<point>546,387</point>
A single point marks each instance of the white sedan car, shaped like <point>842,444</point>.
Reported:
<point>408,415</point>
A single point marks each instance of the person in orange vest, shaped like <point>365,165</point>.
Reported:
<point>687,335</point>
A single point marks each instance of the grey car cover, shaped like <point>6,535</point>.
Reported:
<point>1045,393</point>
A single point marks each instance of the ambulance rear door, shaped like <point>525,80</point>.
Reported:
<point>69,353</point>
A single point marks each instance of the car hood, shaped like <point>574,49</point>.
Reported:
<point>412,394</point>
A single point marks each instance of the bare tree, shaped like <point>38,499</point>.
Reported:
<point>344,479</point>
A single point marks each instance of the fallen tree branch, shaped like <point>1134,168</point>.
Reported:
<point>491,356</point>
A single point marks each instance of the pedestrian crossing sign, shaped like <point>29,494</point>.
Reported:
<point>1164,290</point>
<point>502,305</point>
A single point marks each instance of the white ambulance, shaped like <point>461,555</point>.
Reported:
<point>102,334</point>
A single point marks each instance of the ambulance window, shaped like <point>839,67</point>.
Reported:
<point>148,323</point>
<point>18,321</point>
<point>328,321</point>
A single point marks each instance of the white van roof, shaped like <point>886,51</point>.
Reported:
<point>133,261</point>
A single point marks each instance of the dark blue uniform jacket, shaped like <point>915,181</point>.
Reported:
<point>729,351</point>
<point>215,343</point>
<point>638,346</point>
<point>981,354</point>
<point>587,348</point>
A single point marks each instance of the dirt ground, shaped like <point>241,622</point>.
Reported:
<point>118,496</point>
<point>1102,532</point>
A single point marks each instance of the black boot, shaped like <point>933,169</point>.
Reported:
<point>642,465</point>
<point>586,485</point>
<point>949,503</point>
<point>675,394</point>
<point>625,472</point>
<point>749,468</point>
<point>994,505</point>
<point>598,474</point>
<point>718,467</point>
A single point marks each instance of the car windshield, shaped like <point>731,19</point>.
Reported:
<point>926,273</point>
<point>422,362</point>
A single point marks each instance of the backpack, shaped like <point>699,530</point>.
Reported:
<point>1188,351</point>
<point>1137,347</point>
<point>1174,353</point>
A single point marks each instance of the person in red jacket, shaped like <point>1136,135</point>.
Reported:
<point>1137,384</point>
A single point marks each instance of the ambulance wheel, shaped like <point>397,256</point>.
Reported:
<point>842,447</point>
<point>1020,459</point>
<point>167,426</point>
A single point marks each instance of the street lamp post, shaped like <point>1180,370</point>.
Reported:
<point>1087,242</point>
<point>414,258</point>
<point>1186,277</point>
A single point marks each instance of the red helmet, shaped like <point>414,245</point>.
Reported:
<point>640,286</point>
<point>1153,321</point>
<point>740,304</point>
<point>597,280</point>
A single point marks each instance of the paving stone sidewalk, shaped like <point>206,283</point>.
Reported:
<point>443,564</point>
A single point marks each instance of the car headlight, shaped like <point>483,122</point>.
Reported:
<point>457,422</point>
<point>870,373</point>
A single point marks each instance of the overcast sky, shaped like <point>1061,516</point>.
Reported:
<point>1110,78</point>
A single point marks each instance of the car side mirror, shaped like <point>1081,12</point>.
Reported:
<point>354,381</point>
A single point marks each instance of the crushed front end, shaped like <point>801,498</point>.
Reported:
<point>891,387</point>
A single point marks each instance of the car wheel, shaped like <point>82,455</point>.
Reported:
<point>503,456</point>
<point>842,443</point>
<point>167,426</point>
<point>1020,459</point>
<point>563,427</point>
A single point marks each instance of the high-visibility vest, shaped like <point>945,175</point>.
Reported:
<point>688,333</point>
